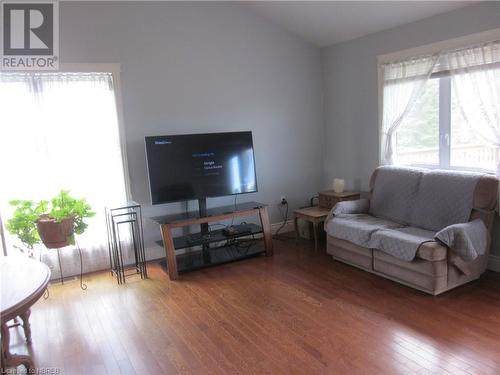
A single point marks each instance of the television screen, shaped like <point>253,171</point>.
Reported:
<point>195,166</point>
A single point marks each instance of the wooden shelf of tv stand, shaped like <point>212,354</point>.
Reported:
<point>169,222</point>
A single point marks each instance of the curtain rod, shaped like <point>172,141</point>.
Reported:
<point>446,72</point>
<point>441,53</point>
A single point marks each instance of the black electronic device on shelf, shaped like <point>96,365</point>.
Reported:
<point>235,230</point>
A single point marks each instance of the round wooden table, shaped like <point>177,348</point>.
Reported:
<point>23,282</point>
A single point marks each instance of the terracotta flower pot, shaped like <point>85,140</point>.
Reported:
<point>55,234</point>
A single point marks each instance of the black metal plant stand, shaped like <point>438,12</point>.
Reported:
<point>83,286</point>
<point>128,215</point>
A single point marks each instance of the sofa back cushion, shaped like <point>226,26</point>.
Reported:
<point>394,191</point>
<point>444,198</point>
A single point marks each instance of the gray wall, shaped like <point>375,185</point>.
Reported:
<point>198,67</point>
<point>351,92</point>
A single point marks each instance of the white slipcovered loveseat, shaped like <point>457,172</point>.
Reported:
<point>427,229</point>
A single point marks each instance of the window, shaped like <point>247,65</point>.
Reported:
<point>467,149</point>
<point>435,133</point>
<point>444,110</point>
<point>60,131</point>
<point>417,138</point>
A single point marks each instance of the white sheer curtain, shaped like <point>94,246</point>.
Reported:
<point>60,131</point>
<point>403,83</point>
<point>475,74</point>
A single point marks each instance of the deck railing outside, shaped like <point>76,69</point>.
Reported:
<point>474,156</point>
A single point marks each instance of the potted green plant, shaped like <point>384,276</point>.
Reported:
<point>54,223</point>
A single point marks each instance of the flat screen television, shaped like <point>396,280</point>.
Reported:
<point>197,166</point>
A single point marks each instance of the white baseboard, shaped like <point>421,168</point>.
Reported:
<point>494,263</point>
<point>287,228</point>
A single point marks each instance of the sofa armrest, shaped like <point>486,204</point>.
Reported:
<point>359,206</point>
<point>432,251</point>
<point>467,240</point>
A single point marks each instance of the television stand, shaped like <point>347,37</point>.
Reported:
<point>211,256</point>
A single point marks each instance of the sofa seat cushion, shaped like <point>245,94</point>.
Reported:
<point>431,277</point>
<point>350,253</point>
<point>402,243</point>
<point>357,228</point>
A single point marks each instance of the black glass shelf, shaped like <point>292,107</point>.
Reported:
<point>195,260</point>
<point>222,210</point>
<point>199,239</point>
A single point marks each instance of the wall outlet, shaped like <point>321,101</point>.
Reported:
<point>283,200</point>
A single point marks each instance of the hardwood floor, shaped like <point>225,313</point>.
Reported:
<point>298,312</point>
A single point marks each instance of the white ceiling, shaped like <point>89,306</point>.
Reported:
<point>324,23</point>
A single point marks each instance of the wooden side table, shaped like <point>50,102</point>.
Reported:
<point>318,214</point>
<point>329,198</point>
<point>314,215</point>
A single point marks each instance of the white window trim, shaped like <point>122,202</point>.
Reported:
<point>115,70</point>
<point>429,49</point>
